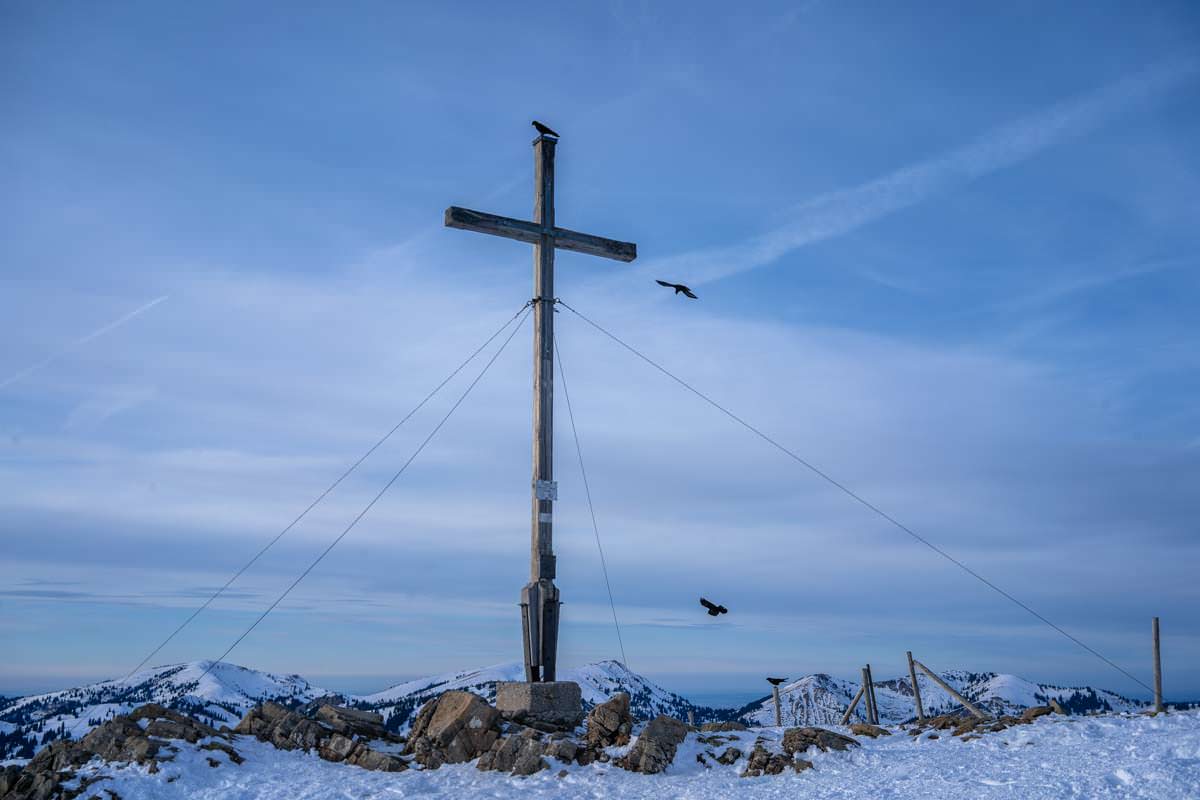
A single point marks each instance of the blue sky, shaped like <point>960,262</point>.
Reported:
<point>947,255</point>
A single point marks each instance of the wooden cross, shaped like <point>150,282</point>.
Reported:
<point>540,597</point>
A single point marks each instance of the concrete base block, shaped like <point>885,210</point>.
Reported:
<point>549,706</point>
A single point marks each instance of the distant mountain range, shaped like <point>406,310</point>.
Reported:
<point>822,700</point>
<point>227,692</point>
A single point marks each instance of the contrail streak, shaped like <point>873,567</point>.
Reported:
<point>840,212</point>
<point>81,341</point>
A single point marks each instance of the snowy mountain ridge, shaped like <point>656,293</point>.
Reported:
<point>221,694</point>
<point>822,699</point>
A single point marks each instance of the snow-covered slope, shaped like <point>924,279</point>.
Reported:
<point>1102,757</point>
<point>821,699</point>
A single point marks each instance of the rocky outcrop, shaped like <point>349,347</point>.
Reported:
<point>454,728</point>
<point>609,724</point>
<point>122,738</point>
<point>655,747</point>
<point>798,740</point>
<point>334,733</point>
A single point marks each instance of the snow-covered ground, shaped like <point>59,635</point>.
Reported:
<point>1116,755</point>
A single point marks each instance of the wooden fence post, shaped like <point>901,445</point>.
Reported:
<point>691,718</point>
<point>868,700</point>
<point>967,704</point>
<point>1158,701</point>
<point>853,703</point>
<point>874,702</point>
<point>912,675</point>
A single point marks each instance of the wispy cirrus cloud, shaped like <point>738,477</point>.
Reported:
<point>80,342</point>
<point>842,211</point>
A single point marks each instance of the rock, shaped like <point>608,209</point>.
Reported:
<point>967,726</point>
<point>730,756</point>
<point>1058,709</point>
<point>722,727</point>
<point>232,754</point>
<point>338,748</point>
<point>863,729</point>
<point>564,750</point>
<point>547,706</point>
<point>517,754</point>
<point>370,759</point>
<point>655,747</point>
<point>798,740</point>
<point>609,723</point>
<point>932,736</point>
<point>1030,714</point>
<point>8,778</point>
<point>460,726</point>
<point>352,721</point>
<point>763,762</point>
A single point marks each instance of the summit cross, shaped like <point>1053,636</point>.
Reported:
<point>540,597</point>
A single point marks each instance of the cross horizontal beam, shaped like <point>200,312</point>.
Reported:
<point>531,233</point>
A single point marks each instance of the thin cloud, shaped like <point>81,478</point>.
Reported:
<point>45,362</point>
<point>843,211</point>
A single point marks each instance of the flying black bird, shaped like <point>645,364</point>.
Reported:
<point>713,608</point>
<point>678,287</point>
<point>775,681</point>
<point>544,129</point>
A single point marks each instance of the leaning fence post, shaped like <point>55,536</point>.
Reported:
<point>912,674</point>
<point>1158,701</point>
<point>853,703</point>
<point>967,704</point>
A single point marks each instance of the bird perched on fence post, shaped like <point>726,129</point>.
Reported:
<point>545,130</point>
<point>679,288</point>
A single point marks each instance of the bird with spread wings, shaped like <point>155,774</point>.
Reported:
<point>713,609</point>
<point>679,288</point>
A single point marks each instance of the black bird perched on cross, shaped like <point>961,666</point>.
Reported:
<point>545,130</point>
<point>679,288</point>
<point>713,608</point>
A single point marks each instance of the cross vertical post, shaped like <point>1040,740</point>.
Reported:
<point>540,597</point>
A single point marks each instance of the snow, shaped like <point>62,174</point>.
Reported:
<point>1107,756</point>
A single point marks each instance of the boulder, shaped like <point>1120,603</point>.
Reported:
<point>518,754</point>
<point>864,729</point>
<point>730,756</point>
<point>547,705</point>
<point>722,727</point>
<point>1030,714</point>
<point>458,726</point>
<point>798,740</point>
<point>655,747</point>
<point>1058,709</point>
<point>610,723</point>
<point>352,721</point>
